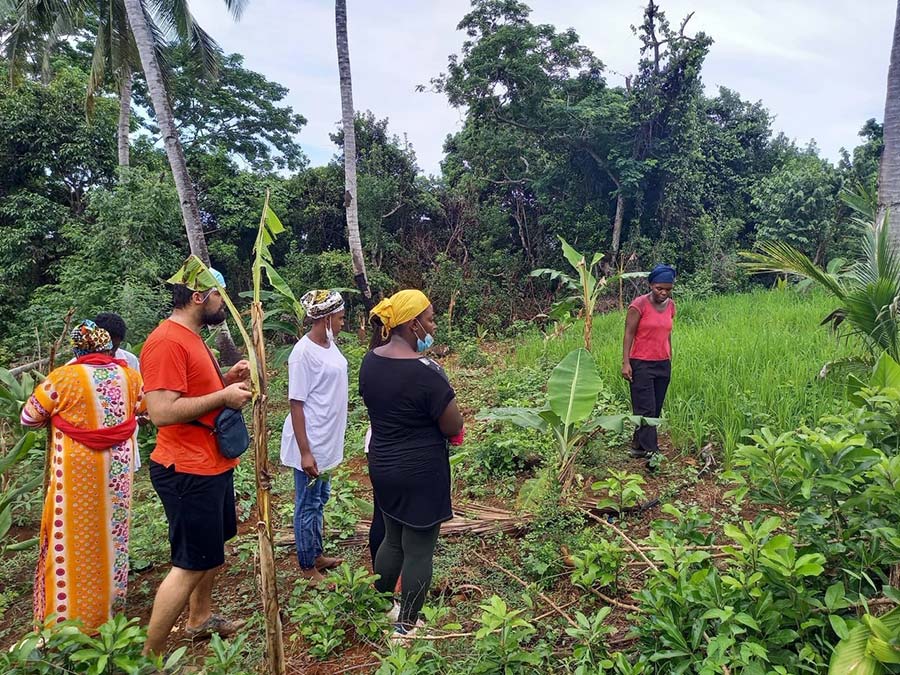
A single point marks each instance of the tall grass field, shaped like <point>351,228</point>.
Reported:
<point>739,362</point>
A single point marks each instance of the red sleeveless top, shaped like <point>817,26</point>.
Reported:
<point>651,341</point>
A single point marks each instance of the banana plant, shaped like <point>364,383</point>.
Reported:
<point>569,412</point>
<point>870,647</point>
<point>11,490</point>
<point>587,287</point>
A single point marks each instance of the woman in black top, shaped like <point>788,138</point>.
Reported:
<point>413,411</point>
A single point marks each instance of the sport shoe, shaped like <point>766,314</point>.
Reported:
<point>640,453</point>
<point>402,634</point>
<point>214,624</point>
<point>393,614</point>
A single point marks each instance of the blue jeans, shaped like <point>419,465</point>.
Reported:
<point>309,509</point>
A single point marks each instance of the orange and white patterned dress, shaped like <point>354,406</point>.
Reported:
<point>82,570</point>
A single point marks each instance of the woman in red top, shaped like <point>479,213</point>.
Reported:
<point>647,354</point>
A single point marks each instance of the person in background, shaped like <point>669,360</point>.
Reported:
<point>312,438</point>
<point>183,385</point>
<point>114,324</point>
<point>91,407</point>
<point>647,355</point>
<point>413,412</point>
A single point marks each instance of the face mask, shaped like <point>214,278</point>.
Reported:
<point>423,344</point>
<point>329,334</point>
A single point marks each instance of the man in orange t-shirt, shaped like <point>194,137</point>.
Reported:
<point>185,391</point>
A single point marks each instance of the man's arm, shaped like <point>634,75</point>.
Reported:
<point>171,407</point>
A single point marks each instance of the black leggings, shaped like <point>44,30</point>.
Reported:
<point>649,382</point>
<point>408,551</point>
<point>376,529</point>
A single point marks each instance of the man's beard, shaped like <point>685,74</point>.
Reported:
<point>214,318</point>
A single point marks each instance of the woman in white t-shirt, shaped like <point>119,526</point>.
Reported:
<point>312,439</point>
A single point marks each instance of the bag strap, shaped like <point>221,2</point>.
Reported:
<point>219,373</point>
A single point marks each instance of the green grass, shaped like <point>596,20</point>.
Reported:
<point>739,362</point>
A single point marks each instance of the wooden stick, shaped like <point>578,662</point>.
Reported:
<point>540,593</point>
<point>624,536</point>
<point>616,603</point>
<point>51,363</point>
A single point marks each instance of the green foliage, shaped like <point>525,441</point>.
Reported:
<point>415,659</point>
<point>589,286</point>
<point>237,112</point>
<point>571,396</point>
<point>623,490</point>
<point>798,205</point>
<point>731,371</point>
<point>501,641</point>
<point>600,564</point>
<point>115,650</point>
<point>589,656</point>
<point>328,618</point>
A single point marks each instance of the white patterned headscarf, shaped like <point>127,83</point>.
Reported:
<point>319,304</point>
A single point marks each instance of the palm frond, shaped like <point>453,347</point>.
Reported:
<point>780,258</point>
<point>205,51</point>
<point>236,8</point>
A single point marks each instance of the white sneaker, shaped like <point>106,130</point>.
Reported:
<point>393,614</point>
<point>402,635</point>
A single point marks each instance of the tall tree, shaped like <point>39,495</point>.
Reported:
<point>889,171</point>
<point>105,23</point>
<point>347,119</point>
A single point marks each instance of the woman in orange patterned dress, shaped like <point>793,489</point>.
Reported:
<point>91,404</point>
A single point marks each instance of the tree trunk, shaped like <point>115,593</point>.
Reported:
<point>124,118</point>
<point>617,225</point>
<point>190,211</point>
<point>347,116</point>
<point>889,171</point>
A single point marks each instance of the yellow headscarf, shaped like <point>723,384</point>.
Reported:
<point>401,307</point>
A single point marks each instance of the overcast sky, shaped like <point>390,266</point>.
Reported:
<point>820,66</point>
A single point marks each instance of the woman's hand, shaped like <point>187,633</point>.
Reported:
<point>626,371</point>
<point>308,464</point>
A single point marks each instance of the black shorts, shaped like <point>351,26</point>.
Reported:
<point>201,515</point>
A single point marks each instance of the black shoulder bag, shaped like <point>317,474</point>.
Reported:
<point>229,426</point>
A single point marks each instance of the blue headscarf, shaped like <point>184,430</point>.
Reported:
<point>662,274</point>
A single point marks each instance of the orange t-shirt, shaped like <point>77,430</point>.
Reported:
<point>175,358</point>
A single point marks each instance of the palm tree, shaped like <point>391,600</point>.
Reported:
<point>347,120</point>
<point>889,171</point>
<point>115,50</point>
<point>867,289</point>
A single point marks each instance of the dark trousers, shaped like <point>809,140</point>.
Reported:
<point>376,529</point>
<point>410,552</point>
<point>649,382</point>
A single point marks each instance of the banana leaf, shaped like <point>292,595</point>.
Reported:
<point>863,652</point>
<point>573,387</point>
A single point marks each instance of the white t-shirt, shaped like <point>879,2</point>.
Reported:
<point>318,377</point>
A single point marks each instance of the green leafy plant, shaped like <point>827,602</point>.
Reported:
<point>589,655</point>
<point>872,647</point>
<point>623,489</point>
<point>588,286</point>
<point>329,618</point>
<point>866,289</point>
<point>64,648</point>
<point>600,564</point>
<point>501,641</point>
<point>11,490</point>
<point>568,415</point>
<point>415,659</point>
